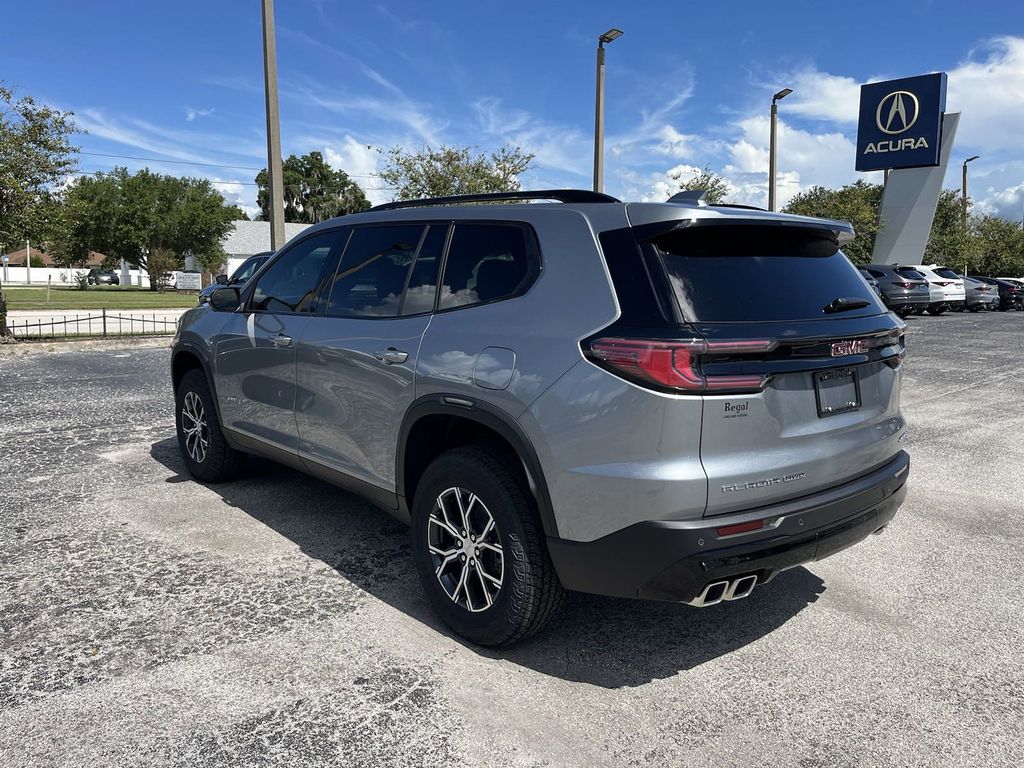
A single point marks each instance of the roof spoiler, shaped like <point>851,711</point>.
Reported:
<point>842,230</point>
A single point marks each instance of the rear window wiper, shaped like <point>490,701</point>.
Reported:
<point>844,303</point>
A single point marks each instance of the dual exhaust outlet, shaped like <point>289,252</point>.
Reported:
<point>717,591</point>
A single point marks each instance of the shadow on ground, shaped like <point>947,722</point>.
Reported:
<point>602,641</point>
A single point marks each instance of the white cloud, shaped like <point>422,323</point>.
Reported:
<point>1007,202</point>
<point>192,114</point>
<point>989,93</point>
<point>821,96</point>
<point>360,161</point>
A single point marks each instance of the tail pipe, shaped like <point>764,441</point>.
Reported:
<point>717,591</point>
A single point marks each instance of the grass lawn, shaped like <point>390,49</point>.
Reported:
<point>97,297</point>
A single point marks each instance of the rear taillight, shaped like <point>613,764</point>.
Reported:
<point>675,365</point>
<point>904,284</point>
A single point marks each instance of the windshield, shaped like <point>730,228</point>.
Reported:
<point>755,273</point>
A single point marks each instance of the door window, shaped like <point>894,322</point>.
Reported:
<point>293,281</point>
<point>372,275</point>
<point>419,296</point>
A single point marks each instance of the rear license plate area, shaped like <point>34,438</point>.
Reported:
<point>836,391</point>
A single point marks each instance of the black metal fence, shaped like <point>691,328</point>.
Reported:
<point>98,323</point>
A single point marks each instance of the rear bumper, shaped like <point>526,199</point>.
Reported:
<point>676,559</point>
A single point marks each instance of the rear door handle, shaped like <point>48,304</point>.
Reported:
<point>281,340</point>
<point>392,356</point>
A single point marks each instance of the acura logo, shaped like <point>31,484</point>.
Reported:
<point>897,112</point>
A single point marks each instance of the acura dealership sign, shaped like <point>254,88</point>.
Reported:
<point>900,123</point>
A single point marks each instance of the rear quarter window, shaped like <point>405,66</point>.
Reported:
<point>751,273</point>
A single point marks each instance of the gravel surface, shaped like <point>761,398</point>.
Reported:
<point>146,619</point>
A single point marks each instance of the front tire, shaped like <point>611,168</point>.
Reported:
<point>479,549</point>
<point>205,450</point>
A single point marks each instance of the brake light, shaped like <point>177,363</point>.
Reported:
<point>675,365</point>
<point>904,284</point>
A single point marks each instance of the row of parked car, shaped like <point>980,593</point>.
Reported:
<point>913,289</point>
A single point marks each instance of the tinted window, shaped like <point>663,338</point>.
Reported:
<point>946,272</point>
<point>486,262</point>
<point>876,273</point>
<point>372,274</point>
<point>292,282</point>
<point>753,273</point>
<point>910,274</point>
<point>419,296</point>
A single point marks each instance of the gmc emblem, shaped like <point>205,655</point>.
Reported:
<point>855,347</point>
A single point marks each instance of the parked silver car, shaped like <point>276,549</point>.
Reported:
<point>564,395</point>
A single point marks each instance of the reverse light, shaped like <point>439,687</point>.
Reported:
<point>675,365</point>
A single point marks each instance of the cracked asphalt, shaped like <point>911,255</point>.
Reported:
<point>149,620</point>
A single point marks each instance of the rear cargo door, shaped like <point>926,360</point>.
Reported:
<point>829,411</point>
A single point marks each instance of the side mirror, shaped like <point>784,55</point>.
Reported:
<point>225,300</point>
<point>222,279</point>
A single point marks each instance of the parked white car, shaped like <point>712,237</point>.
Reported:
<point>947,289</point>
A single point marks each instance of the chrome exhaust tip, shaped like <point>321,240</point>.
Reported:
<point>717,591</point>
<point>712,594</point>
<point>741,588</point>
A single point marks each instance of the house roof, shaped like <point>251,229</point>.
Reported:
<point>249,237</point>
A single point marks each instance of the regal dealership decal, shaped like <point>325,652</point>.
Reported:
<point>900,123</point>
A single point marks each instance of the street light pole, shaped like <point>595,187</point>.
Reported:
<point>963,206</point>
<point>771,145</point>
<point>607,37</point>
<point>275,186</point>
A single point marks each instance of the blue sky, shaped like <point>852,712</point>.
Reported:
<point>688,85</point>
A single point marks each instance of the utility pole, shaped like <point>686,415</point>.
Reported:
<point>963,206</point>
<point>772,147</point>
<point>607,37</point>
<point>275,187</point>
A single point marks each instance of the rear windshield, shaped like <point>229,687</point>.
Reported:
<point>760,273</point>
<point>910,274</point>
<point>946,272</point>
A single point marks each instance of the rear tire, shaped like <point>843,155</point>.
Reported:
<point>205,450</point>
<point>936,311</point>
<point>468,501</point>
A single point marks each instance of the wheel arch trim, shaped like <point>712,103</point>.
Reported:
<point>491,417</point>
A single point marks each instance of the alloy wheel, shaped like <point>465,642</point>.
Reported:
<point>195,428</point>
<point>465,549</point>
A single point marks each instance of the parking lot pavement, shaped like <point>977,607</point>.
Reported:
<point>146,619</point>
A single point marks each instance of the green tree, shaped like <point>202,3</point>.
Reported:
<point>856,203</point>
<point>35,154</point>
<point>713,185</point>
<point>149,220</point>
<point>453,171</point>
<point>997,245</point>
<point>948,244</point>
<point>313,191</point>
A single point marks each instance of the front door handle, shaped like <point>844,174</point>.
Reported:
<point>281,340</point>
<point>392,356</point>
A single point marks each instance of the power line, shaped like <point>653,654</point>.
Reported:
<point>240,183</point>
<point>208,165</point>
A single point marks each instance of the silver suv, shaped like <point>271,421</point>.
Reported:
<point>659,400</point>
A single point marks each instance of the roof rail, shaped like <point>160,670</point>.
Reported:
<point>561,195</point>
